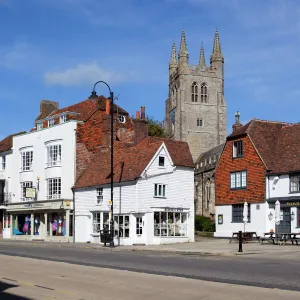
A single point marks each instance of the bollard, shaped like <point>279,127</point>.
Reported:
<point>240,242</point>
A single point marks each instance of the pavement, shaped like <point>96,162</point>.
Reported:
<point>202,246</point>
<point>30,279</point>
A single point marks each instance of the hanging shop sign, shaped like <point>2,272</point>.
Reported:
<point>30,193</point>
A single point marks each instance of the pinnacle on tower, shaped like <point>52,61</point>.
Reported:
<point>183,49</point>
<point>202,57</point>
<point>173,60</point>
<point>217,52</point>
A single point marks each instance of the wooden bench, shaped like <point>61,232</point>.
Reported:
<point>246,236</point>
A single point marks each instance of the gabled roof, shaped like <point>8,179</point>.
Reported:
<point>130,162</point>
<point>7,143</point>
<point>86,108</point>
<point>278,143</point>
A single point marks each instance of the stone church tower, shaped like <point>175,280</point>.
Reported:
<point>196,108</point>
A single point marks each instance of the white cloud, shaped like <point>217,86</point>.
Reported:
<point>84,74</point>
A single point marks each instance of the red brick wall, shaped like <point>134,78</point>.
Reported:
<point>255,191</point>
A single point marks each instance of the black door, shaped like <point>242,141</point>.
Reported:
<point>285,220</point>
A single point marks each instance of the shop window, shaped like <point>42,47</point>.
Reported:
<point>237,213</point>
<point>24,185</point>
<point>295,183</point>
<point>100,221</point>
<point>22,224</point>
<point>53,155</point>
<point>159,190</point>
<point>26,160</point>
<point>99,195</point>
<point>170,224</point>
<point>238,180</point>
<point>53,188</point>
<point>121,226</point>
<point>58,224</point>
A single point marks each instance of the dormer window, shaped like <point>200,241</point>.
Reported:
<point>51,123</point>
<point>39,126</point>
<point>63,119</point>
<point>122,119</point>
<point>161,161</point>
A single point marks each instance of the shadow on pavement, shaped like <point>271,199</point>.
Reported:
<point>5,296</point>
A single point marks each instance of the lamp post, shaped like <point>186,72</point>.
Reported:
<point>111,96</point>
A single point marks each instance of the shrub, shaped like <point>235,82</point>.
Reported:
<point>203,223</point>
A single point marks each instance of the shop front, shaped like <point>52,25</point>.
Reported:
<point>42,220</point>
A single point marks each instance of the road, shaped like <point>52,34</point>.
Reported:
<point>25,278</point>
<point>242,270</point>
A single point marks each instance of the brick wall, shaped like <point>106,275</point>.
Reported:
<point>255,191</point>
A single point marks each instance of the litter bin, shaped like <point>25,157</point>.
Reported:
<point>105,236</point>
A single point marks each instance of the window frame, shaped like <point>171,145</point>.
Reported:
<point>122,119</point>
<point>161,164</point>
<point>203,93</point>
<point>63,119</point>
<point>241,187</point>
<point>101,223</point>
<point>298,187</point>
<point>26,160</point>
<point>99,196</point>
<point>124,228</point>
<point>160,190</point>
<point>3,162</point>
<point>239,218</point>
<point>53,155</point>
<point>194,92</point>
<point>23,186</point>
<point>39,126</point>
<point>51,122</point>
<point>200,122</point>
<point>50,188</point>
<point>238,149</point>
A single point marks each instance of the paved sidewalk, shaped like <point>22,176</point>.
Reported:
<point>203,246</point>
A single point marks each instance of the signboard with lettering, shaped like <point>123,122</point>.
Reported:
<point>30,193</point>
<point>293,203</point>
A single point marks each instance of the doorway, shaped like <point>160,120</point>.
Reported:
<point>139,237</point>
<point>285,220</point>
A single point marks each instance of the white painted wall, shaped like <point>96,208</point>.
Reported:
<point>258,223</point>
<point>6,174</point>
<point>279,186</point>
<point>36,141</point>
<point>138,197</point>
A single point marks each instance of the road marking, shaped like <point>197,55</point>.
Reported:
<point>44,287</point>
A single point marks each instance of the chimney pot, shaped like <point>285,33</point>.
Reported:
<point>138,114</point>
<point>143,112</point>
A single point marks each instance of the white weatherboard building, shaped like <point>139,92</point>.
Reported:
<point>43,160</point>
<point>153,195</point>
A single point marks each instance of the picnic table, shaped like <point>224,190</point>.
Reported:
<point>246,236</point>
<point>283,238</point>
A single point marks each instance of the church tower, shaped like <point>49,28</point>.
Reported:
<point>195,110</point>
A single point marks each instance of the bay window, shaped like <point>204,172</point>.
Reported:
<point>53,155</point>
<point>26,160</point>
<point>170,224</point>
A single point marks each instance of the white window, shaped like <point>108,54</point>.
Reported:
<point>170,224</point>
<point>53,155</point>
<point>161,161</point>
<point>39,125</point>
<point>159,190</point>
<point>238,180</point>
<point>24,185</point>
<point>121,226</point>
<point>54,188</point>
<point>51,123</point>
<point>3,162</point>
<point>99,195</point>
<point>199,122</point>
<point>122,119</point>
<point>100,221</point>
<point>237,149</point>
<point>26,160</point>
<point>295,183</point>
<point>63,119</point>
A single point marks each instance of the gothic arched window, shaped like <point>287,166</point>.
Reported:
<point>194,92</point>
<point>204,93</point>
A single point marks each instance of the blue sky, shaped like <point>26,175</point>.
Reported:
<point>57,49</point>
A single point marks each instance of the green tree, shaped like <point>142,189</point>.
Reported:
<point>155,128</point>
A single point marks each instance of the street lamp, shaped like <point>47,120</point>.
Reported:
<point>111,96</point>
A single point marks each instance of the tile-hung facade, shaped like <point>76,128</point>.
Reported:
<point>259,165</point>
<point>47,161</point>
<point>153,195</point>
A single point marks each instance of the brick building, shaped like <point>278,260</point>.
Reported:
<point>251,157</point>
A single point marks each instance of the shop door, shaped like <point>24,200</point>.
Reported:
<point>285,221</point>
<point>139,229</point>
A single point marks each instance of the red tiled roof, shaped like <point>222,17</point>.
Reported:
<point>7,143</point>
<point>87,107</point>
<point>130,162</point>
<point>278,143</point>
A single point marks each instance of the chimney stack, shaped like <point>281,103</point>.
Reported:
<point>107,106</point>
<point>138,114</point>
<point>47,107</point>
<point>237,123</point>
<point>143,112</point>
